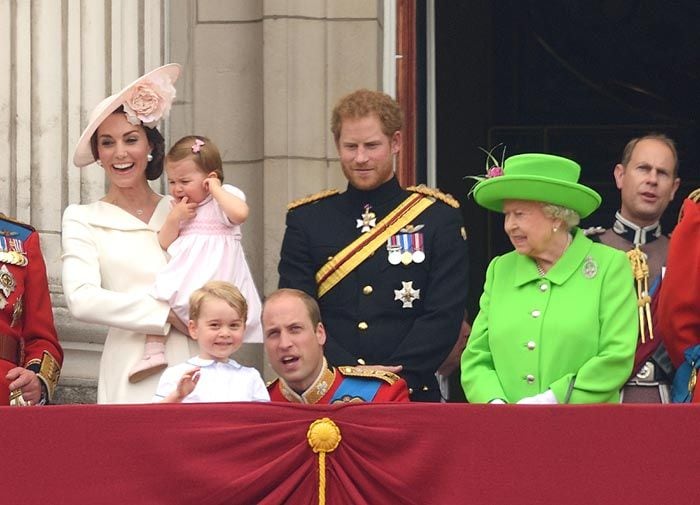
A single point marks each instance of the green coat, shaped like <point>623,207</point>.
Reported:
<point>577,324</point>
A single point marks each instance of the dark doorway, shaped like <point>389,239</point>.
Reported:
<point>575,78</point>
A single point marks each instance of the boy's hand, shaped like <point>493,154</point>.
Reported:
<point>187,383</point>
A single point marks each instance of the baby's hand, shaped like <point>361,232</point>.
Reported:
<point>187,383</point>
<point>184,210</point>
<point>211,182</point>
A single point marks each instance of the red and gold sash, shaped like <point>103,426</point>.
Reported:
<point>360,249</point>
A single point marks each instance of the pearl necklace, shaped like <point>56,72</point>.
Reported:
<point>540,269</point>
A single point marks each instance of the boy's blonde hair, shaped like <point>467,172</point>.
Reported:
<point>218,290</point>
<point>201,150</point>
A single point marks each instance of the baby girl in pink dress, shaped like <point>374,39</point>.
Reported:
<point>202,235</point>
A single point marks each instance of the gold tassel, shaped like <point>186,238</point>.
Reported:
<point>640,269</point>
<point>323,436</point>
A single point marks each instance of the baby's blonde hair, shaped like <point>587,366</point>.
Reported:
<point>201,150</point>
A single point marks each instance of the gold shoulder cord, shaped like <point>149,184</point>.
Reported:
<point>434,193</point>
<point>640,269</point>
<point>312,198</point>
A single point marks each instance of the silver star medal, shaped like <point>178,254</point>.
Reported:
<point>407,294</point>
<point>368,221</point>
<point>7,285</point>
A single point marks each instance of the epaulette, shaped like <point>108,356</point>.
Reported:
<point>593,231</point>
<point>354,371</point>
<point>312,198</point>
<point>435,193</point>
<point>3,217</point>
<point>695,197</point>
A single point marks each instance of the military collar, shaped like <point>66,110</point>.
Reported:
<point>575,255</point>
<point>633,233</point>
<point>375,197</point>
<point>313,393</point>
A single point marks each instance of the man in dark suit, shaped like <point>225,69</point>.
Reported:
<point>387,265</point>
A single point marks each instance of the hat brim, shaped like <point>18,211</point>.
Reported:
<point>491,193</point>
<point>83,152</point>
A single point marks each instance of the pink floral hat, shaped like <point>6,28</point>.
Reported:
<point>146,101</point>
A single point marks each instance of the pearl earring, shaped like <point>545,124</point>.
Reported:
<point>99,162</point>
<point>149,157</point>
<point>555,229</point>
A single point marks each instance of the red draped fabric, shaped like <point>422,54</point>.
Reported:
<point>445,454</point>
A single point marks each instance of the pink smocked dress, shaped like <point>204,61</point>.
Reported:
<point>209,248</point>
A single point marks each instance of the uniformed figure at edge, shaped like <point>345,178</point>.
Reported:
<point>387,265</point>
<point>647,177</point>
<point>294,336</point>
<point>30,355</point>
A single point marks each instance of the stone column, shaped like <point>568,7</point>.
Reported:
<point>58,59</point>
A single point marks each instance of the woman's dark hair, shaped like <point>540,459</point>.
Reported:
<point>155,167</point>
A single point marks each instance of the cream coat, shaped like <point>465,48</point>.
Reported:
<point>110,260</point>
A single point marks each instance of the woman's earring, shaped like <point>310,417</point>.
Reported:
<point>149,157</point>
<point>555,229</point>
<point>99,162</point>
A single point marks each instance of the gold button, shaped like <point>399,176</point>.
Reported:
<point>425,388</point>
<point>531,345</point>
<point>367,290</point>
<point>535,313</point>
<point>360,361</point>
<point>362,325</point>
<point>410,391</point>
<point>329,258</point>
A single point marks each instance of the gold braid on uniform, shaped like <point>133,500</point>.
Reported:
<point>312,198</point>
<point>435,193</point>
<point>640,269</point>
<point>352,371</point>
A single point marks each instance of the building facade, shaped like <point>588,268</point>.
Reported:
<point>260,79</point>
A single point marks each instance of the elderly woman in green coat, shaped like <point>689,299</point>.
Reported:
<point>558,315</point>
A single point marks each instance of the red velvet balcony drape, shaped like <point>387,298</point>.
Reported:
<point>389,454</point>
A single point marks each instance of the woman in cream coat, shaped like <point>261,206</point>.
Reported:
<point>111,253</point>
<point>558,316</point>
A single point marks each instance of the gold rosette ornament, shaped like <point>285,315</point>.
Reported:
<point>323,436</point>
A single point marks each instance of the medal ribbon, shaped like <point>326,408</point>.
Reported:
<point>361,248</point>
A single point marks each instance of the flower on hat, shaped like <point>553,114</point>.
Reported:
<point>494,168</point>
<point>149,101</point>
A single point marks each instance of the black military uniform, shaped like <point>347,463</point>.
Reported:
<point>404,304</point>
<point>653,371</point>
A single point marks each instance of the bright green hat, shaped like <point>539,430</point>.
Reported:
<point>541,178</point>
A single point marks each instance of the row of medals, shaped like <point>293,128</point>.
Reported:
<point>403,253</point>
<point>403,248</point>
<point>11,253</point>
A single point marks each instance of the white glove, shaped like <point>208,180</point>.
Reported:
<point>546,398</point>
